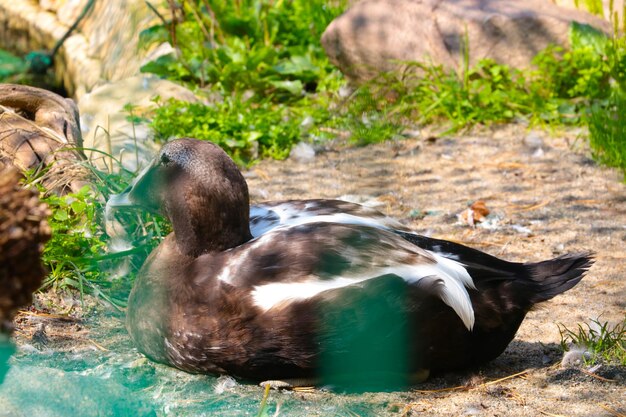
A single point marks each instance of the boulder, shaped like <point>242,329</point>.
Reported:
<point>39,130</point>
<point>375,36</point>
<point>602,8</point>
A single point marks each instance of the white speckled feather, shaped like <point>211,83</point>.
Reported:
<point>264,218</point>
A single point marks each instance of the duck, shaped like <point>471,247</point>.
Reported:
<point>314,291</point>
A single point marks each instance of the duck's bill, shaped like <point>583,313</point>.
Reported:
<point>121,200</point>
<point>139,194</point>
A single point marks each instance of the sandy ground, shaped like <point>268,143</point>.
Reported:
<point>546,197</point>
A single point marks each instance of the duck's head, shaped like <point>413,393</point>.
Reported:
<point>200,189</point>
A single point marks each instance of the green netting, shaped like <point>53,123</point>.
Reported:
<point>88,381</point>
<point>10,64</point>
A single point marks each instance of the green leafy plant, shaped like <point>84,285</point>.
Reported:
<point>270,47</point>
<point>245,130</point>
<point>80,256</point>
<point>11,65</point>
<point>265,61</point>
<point>604,342</point>
<point>582,71</point>
<point>489,93</point>
<point>75,237</point>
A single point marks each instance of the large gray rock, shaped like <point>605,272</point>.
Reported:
<point>376,36</point>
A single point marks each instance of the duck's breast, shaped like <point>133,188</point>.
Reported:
<point>150,302</point>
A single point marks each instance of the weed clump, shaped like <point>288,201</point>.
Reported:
<point>598,341</point>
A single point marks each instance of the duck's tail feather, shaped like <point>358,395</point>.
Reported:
<point>548,279</point>
<point>530,283</point>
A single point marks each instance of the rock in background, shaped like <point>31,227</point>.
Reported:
<point>39,130</point>
<point>376,36</point>
<point>105,123</point>
<point>104,47</point>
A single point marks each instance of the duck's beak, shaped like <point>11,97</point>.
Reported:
<point>141,192</point>
<point>121,200</point>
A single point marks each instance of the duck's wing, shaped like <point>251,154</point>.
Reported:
<point>268,216</point>
<point>291,264</point>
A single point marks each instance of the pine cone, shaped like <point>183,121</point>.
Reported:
<point>23,232</point>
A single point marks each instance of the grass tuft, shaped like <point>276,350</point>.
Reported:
<point>605,343</point>
<point>607,132</point>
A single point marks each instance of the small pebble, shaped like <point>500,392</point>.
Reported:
<point>40,338</point>
<point>533,140</point>
<point>302,152</point>
<point>521,229</point>
<point>472,411</point>
<point>539,153</point>
<point>411,133</point>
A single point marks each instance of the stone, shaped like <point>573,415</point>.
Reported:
<point>576,356</point>
<point>377,36</point>
<point>533,140</point>
<point>39,131</point>
<point>302,152</point>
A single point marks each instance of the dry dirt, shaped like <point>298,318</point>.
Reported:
<point>548,202</point>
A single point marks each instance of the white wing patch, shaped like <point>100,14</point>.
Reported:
<point>454,293</point>
<point>264,218</point>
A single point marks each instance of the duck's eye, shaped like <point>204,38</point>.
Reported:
<point>165,160</point>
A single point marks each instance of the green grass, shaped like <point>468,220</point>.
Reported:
<point>79,256</point>
<point>607,132</point>
<point>605,343</point>
<point>246,132</point>
<point>10,65</point>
